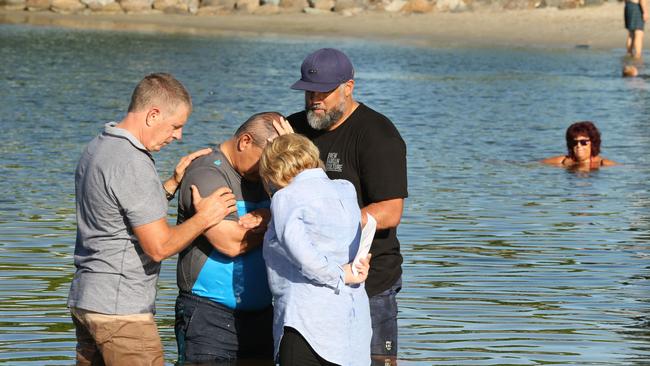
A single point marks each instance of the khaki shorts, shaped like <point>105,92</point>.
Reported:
<point>116,339</point>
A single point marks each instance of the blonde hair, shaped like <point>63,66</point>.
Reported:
<point>285,157</point>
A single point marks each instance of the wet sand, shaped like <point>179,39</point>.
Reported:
<point>598,27</point>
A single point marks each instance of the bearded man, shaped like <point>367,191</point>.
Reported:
<point>362,146</point>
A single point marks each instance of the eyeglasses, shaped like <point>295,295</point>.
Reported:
<point>584,142</point>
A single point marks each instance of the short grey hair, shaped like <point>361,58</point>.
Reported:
<point>159,88</point>
<point>260,127</point>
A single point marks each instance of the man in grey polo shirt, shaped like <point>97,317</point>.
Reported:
<point>122,229</point>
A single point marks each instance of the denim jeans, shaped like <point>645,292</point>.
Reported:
<point>207,331</point>
<point>383,312</point>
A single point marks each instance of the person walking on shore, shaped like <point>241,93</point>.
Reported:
<point>636,14</point>
<point>122,229</point>
<point>362,146</point>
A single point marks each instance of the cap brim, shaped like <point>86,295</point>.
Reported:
<point>315,87</point>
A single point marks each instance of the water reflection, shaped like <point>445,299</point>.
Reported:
<point>506,261</point>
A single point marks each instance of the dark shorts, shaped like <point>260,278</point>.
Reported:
<point>633,16</point>
<point>208,332</point>
<point>383,312</point>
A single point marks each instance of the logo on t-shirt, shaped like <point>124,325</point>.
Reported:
<point>333,163</point>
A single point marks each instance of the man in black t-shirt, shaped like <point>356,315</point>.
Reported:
<point>362,146</point>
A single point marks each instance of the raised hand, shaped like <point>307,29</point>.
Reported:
<point>185,161</point>
<point>172,183</point>
<point>282,126</point>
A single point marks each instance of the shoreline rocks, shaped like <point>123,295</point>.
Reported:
<point>271,7</point>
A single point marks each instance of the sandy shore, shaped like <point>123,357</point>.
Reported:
<point>599,27</point>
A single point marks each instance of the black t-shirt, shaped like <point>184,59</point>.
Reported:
<point>368,151</point>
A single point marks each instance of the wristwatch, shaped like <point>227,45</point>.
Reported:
<point>170,196</point>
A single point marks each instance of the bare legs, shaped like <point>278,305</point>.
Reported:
<point>638,43</point>
<point>634,43</point>
<point>628,42</point>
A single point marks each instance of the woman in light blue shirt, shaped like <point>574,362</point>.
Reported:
<point>321,311</point>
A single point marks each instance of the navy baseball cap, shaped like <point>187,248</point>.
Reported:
<point>324,70</point>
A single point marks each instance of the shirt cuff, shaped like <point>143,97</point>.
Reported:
<point>341,283</point>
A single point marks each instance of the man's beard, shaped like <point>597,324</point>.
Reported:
<point>327,120</point>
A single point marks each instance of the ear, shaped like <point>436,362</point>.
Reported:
<point>153,116</point>
<point>349,88</point>
<point>244,142</point>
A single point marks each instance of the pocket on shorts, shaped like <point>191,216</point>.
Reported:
<point>103,332</point>
<point>140,335</point>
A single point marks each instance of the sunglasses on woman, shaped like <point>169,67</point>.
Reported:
<point>581,142</point>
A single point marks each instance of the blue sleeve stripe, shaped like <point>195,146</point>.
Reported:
<point>244,207</point>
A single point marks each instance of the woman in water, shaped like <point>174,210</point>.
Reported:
<point>583,145</point>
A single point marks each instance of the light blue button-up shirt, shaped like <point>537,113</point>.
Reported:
<point>314,230</point>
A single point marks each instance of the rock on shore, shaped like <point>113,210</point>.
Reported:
<point>269,7</point>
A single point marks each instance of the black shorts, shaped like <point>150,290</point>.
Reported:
<point>207,331</point>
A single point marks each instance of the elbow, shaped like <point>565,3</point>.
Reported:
<point>390,221</point>
<point>156,256</point>
<point>158,259</point>
<point>157,253</point>
<point>230,250</point>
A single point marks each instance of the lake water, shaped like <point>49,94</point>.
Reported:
<point>507,262</point>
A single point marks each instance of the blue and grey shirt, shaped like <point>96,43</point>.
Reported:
<point>240,282</point>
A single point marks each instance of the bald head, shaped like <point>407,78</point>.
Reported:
<point>260,127</point>
<point>244,149</point>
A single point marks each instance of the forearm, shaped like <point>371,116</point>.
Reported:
<point>161,241</point>
<point>607,162</point>
<point>314,265</point>
<point>555,160</point>
<point>232,240</point>
<point>320,270</point>
<point>300,246</point>
<point>388,214</point>
<point>170,185</point>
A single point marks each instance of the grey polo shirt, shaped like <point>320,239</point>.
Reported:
<point>117,188</point>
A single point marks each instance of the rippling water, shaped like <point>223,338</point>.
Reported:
<point>507,262</point>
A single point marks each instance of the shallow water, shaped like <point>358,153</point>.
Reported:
<point>507,262</point>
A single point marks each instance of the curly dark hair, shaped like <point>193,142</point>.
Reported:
<point>584,128</point>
